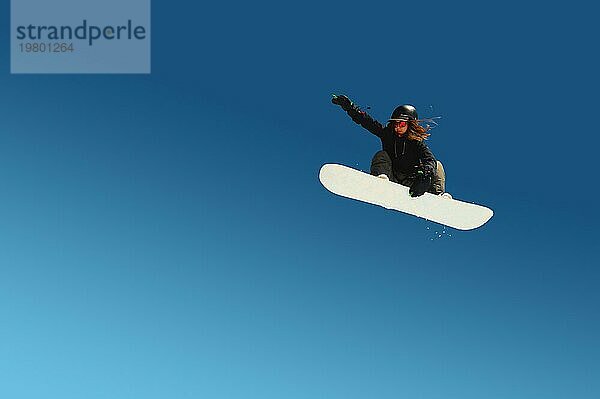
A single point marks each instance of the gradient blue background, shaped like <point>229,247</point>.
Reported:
<point>166,235</point>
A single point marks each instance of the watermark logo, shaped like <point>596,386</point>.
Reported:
<point>80,36</point>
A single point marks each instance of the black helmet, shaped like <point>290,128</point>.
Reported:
<point>405,112</point>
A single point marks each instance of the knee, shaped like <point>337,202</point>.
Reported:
<point>438,185</point>
<point>440,169</point>
<point>381,156</point>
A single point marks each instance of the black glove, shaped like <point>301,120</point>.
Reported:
<point>342,101</point>
<point>420,184</point>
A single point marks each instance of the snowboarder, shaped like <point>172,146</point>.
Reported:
<point>404,157</point>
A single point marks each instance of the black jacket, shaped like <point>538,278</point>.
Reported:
<point>407,155</point>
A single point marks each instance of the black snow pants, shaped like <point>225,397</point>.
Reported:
<point>382,164</point>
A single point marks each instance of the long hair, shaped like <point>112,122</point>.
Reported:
<point>416,131</point>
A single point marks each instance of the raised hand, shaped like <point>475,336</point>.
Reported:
<point>342,101</point>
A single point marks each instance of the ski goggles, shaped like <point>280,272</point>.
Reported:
<point>399,122</point>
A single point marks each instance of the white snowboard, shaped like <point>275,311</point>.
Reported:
<point>351,183</point>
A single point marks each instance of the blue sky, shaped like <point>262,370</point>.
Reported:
<point>166,235</point>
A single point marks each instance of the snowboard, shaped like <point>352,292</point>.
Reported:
<point>354,184</point>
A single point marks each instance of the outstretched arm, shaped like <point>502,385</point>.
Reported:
<point>358,116</point>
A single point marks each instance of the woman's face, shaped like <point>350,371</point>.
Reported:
<point>400,127</point>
